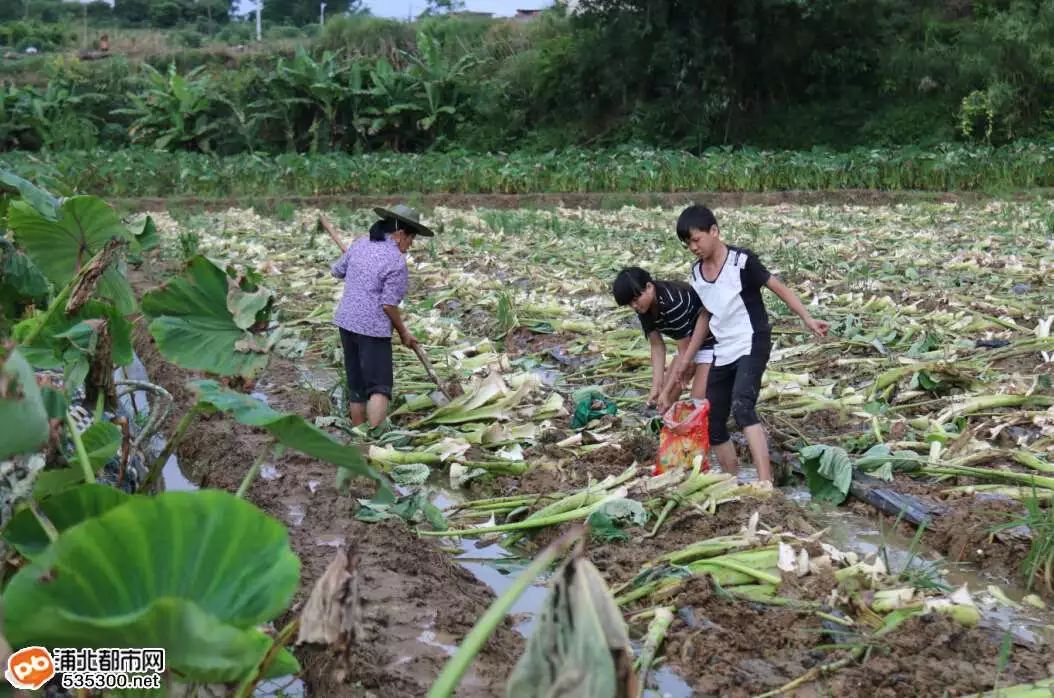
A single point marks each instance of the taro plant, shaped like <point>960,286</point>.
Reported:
<point>204,615</point>
<point>212,319</point>
<point>211,567</point>
<point>393,103</point>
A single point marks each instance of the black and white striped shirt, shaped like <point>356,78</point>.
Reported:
<point>677,307</point>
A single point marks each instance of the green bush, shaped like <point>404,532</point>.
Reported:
<point>283,31</point>
<point>237,33</point>
<point>189,38</point>
<point>924,122</point>
<point>45,36</point>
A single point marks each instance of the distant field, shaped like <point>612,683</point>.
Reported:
<point>146,173</point>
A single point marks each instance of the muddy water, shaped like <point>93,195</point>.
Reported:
<point>497,567</point>
<point>849,531</point>
<point>668,684</point>
<point>282,687</point>
<point>174,479</point>
<point>137,402</point>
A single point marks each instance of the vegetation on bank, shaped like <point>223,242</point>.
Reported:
<point>146,173</point>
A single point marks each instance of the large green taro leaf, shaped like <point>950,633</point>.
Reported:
<point>194,327</point>
<point>23,419</point>
<point>291,430</point>
<point>39,199</point>
<point>59,248</point>
<point>21,282</point>
<point>64,510</point>
<point>192,572</point>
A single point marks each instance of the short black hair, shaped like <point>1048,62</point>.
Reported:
<point>629,284</point>
<point>695,216</point>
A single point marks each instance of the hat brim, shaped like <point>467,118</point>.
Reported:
<point>413,226</point>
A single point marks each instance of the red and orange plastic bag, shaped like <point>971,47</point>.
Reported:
<point>685,434</point>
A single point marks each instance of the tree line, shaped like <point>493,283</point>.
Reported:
<point>789,74</point>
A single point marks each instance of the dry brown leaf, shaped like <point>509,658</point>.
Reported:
<point>333,613</point>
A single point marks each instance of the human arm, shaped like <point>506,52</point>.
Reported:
<point>817,327</point>
<point>393,288</point>
<point>339,269</point>
<point>686,358</point>
<point>658,364</point>
<point>405,336</point>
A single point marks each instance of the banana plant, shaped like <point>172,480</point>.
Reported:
<point>173,111</point>
<point>319,83</point>
<point>395,106</point>
<point>61,117</point>
<point>439,79</point>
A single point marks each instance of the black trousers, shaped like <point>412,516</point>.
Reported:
<point>733,389</point>
<point>367,364</point>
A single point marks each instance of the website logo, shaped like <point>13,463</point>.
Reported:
<point>30,668</point>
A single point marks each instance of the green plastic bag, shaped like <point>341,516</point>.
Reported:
<point>592,405</point>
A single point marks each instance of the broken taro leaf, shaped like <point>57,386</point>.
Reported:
<point>604,529</point>
<point>828,472</point>
<point>410,473</point>
<point>22,411</point>
<point>411,508</point>
<point>333,612</point>
<point>579,646</point>
<point>883,472</point>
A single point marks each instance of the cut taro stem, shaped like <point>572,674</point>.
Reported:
<point>170,448</point>
<point>457,665</point>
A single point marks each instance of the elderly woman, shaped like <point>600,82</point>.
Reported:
<point>375,278</point>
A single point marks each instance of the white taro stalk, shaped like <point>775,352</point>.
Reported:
<point>1042,332</point>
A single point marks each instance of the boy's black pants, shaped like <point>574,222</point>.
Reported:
<point>733,389</point>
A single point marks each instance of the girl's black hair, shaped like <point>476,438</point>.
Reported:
<point>629,284</point>
<point>382,228</point>
<point>695,216</point>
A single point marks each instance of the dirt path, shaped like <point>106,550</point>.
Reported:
<point>417,603</point>
<point>588,200</point>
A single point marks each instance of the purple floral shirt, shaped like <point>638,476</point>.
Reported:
<point>374,275</point>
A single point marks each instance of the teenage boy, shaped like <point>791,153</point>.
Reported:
<point>673,309</point>
<point>729,280</point>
